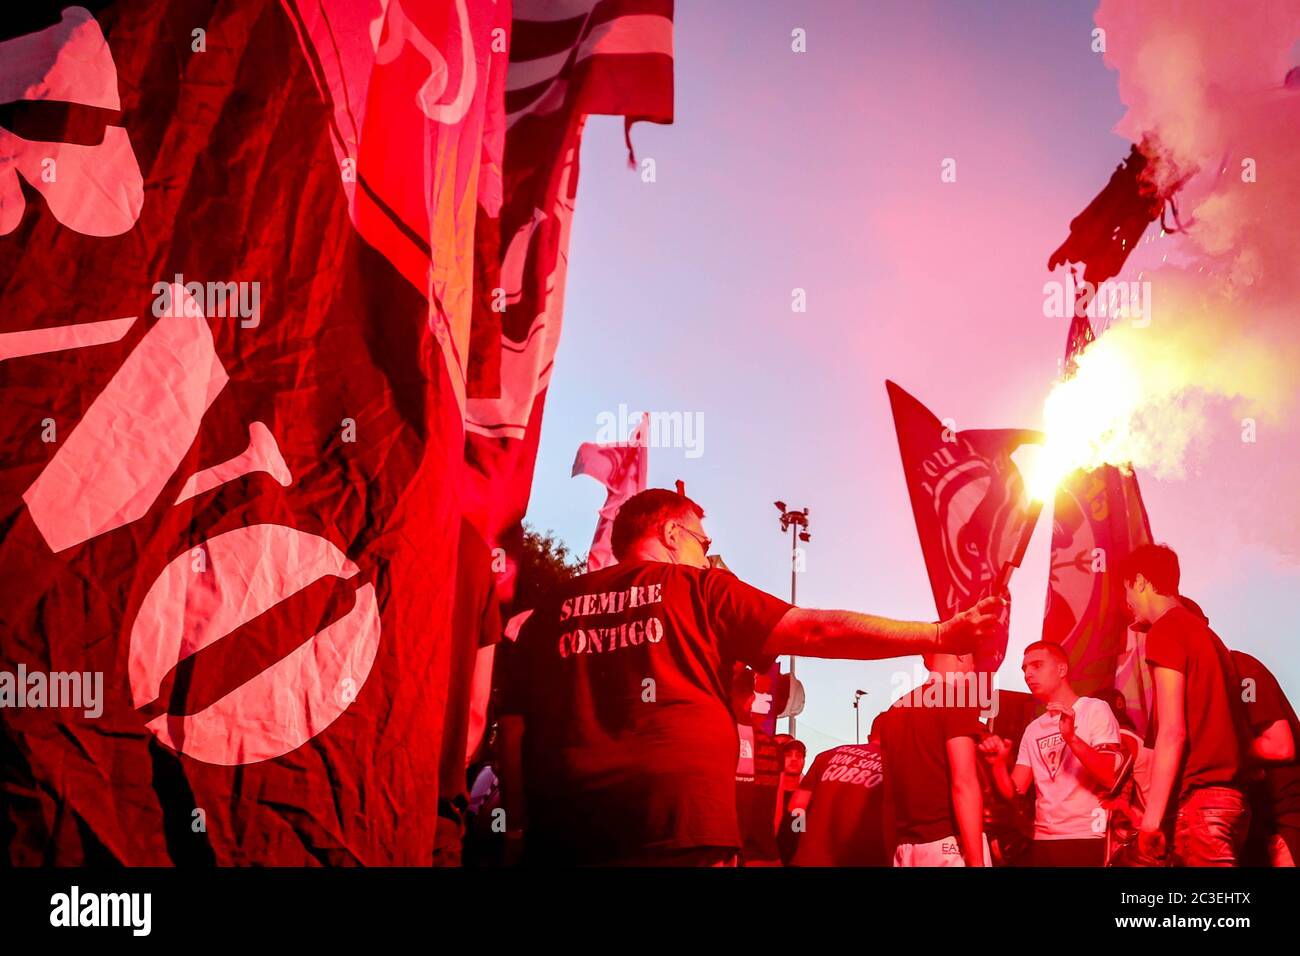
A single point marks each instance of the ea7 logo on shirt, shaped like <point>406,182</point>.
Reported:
<point>1051,748</point>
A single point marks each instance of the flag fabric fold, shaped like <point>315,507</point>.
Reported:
<point>416,92</point>
<point>621,467</point>
<point>1097,520</point>
<point>567,61</point>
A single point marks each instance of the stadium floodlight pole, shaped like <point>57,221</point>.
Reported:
<point>796,522</point>
<point>857,715</point>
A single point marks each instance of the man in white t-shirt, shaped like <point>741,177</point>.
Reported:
<point>1070,754</point>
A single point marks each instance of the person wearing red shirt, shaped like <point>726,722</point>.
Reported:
<point>840,807</point>
<point>1275,804</point>
<point>1197,770</point>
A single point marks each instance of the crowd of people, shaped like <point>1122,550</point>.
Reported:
<point>616,737</point>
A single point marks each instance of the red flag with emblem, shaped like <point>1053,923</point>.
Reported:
<point>234,310</point>
<point>969,503</point>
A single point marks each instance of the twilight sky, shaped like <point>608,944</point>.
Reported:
<point>821,171</point>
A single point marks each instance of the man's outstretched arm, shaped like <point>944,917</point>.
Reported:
<point>848,635</point>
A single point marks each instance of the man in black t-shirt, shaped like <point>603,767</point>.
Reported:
<point>618,743</point>
<point>841,806</point>
<point>931,771</point>
<point>1275,800</point>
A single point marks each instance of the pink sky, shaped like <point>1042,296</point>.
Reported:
<point>821,171</point>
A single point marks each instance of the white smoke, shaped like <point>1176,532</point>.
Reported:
<point>1207,82</point>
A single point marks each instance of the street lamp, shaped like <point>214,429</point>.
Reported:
<point>796,522</point>
<point>857,714</point>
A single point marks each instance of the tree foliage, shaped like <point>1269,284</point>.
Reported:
<point>545,562</point>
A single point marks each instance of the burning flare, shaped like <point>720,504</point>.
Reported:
<point>1141,397</point>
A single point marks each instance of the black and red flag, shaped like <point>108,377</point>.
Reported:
<point>235,300</point>
<point>568,60</point>
<point>1098,517</point>
<point>969,503</point>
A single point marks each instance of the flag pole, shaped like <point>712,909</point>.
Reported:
<point>1026,532</point>
<point>793,600</point>
<point>796,522</point>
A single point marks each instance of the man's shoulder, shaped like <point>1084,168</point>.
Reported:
<point>1179,621</point>
<point>627,572</point>
<point>910,701</point>
<point>1265,682</point>
<point>1246,663</point>
<point>1098,718</point>
<point>1200,638</point>
<point>1095,704</point>
<point>1177,626</point>
<point>930,704</point>
<point>609,578</point>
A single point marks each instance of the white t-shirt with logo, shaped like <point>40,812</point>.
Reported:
<point>1068,806</point>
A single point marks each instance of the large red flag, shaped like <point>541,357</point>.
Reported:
<point>969,503</point>
<point>232,432</point>
<point>567,61</point>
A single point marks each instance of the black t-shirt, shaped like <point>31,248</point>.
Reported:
<point>914,742</point>
<point>843,825</point>
<point>1280,795</point>
<point>622,680</point>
